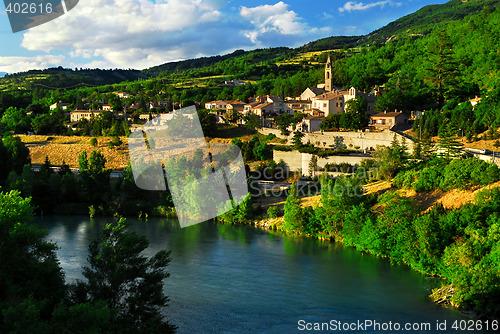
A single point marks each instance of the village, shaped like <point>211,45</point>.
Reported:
<point>313,106</point>
<point>315,103</point>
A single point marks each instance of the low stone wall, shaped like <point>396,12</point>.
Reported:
<point>276,132</point>
<point>362,140</point>
<point>297,161</point>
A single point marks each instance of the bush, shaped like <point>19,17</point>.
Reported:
<point>269,137</point>
<point>309,149</point>
<point>283,148</point>
<point>461,172</point>
<point>428,179</point>
<point>406,180</point>
<point>274,212</point>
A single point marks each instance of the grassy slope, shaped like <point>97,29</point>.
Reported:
<point>68,148</point>
<point>452,199</point>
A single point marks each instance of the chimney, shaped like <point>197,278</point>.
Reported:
<point>385,111</point>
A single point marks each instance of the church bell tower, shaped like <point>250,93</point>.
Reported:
<point>328,75</point>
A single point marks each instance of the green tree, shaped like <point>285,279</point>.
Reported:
<point>297,139</point>
<point>331,122</point>
<point>208,123</point>
<point>31,280</point>
<point>448,144</point>
<point>20,154</point>
<point>294,215</point>
<point>6,165</point>
<point>441,68</point>
<point>252,121</point>
<point>355,117</point>
<point>313,165</point>
<point>120,275</point>
<point>83,162</point>
<point>94,178</point>
<point>283,122</point>
<point>15,120</point>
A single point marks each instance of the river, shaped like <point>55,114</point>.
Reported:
<point>239,279</point>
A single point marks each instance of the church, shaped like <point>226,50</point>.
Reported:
<point>326,99</point>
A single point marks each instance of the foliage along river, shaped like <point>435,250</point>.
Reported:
<point>239,279</point>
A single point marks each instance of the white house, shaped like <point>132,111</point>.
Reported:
<point>216,105</point>
<point>60,105</point>
<point>107,107</point>
<point>123,95</point>
<point>310,124</point>
<point>77,115</point>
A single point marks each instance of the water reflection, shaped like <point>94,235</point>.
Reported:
<point>237,279</point>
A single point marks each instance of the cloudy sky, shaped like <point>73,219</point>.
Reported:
<point>142,33</point>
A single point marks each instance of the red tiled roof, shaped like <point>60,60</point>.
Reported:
<point>389,114</point>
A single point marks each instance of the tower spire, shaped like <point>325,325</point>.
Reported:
<point>328,75</point>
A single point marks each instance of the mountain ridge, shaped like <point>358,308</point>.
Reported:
<point>412,25</point>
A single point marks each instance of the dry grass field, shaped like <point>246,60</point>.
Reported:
<point>66,149</point>
<point>481,143</point>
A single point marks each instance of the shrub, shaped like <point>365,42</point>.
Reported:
<point>308,149</point>
<point>428,179</point>
<point>406,179</point>
<point>283,148</point>
<point>274,212</point>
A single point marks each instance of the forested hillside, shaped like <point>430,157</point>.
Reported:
<point>434,60</point>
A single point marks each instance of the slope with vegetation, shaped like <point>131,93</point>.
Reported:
<point>460,244</point>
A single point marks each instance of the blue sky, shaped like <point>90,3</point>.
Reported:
<point>142,33</point>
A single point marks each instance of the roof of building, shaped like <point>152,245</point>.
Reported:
<point>274,98</point>
<point>317,91</point>
<point>389,114</point>
<point>262,105</point>
<point>253,104</point>
<point>237,103</point>
<point>85,111</point>
<point>319,118</point>
<point>329,96</point>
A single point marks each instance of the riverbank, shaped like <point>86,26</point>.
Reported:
<point>430,235</point>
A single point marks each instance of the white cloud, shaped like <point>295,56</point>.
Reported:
<point>270,21</point>
<point>18,64</point>
<point>326,16</point>
<point>143,33</point>
<point>129,33</point>
<point>351,5</point>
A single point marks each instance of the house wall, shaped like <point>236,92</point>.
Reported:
<point>307,95</point>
